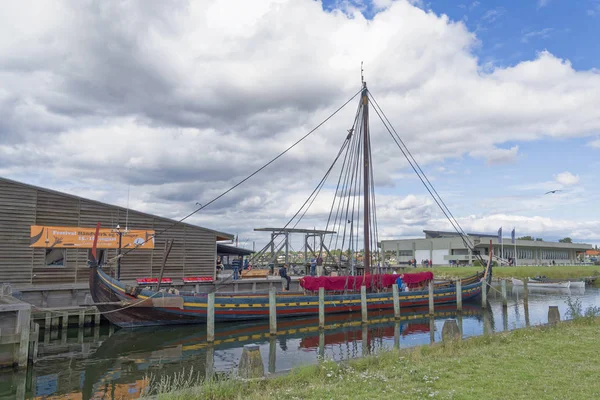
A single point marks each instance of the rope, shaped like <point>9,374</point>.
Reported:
<point>240,182</point>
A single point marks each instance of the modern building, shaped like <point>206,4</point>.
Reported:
<point>26,210</point>
<point>445,248</point>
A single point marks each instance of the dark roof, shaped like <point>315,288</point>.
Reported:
<point>437,234</point>
<point>219,235</point>
<point>238,251</point>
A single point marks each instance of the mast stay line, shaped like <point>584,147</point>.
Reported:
<point>240,182</point>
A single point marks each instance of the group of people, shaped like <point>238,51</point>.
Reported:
<point>314,263</point>
<point>426,263</point>
<point>238,264</point>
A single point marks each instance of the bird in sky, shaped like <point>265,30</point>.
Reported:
<point>553,191</point>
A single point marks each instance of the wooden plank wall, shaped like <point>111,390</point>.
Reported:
<point>17,214</point>
<point>193,254</point>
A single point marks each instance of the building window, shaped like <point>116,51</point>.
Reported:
<point>406,253</point>
<point>55,257</point>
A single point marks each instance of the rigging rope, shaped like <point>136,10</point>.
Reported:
<point>240,182</point>
<point>423,178</point>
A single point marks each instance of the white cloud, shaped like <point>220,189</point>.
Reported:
<point>595,143</point>
<point>566,178</point>
<point>542,33</point>
<point>181,100</point>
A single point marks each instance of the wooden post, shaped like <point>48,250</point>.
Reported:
<point>273,311</point>
<point>321,346</point>
<point>47,321</point>
<point>397,335</point>
<point>504,298</point>
<point>396,299</point>
<point>525,290</point>
<point>365,340</point>
<point>251,365</point>
<point>321,308</point>
<point>431,330</point>
<point>505,319</point>
<point>97,319</point>
<point>431,306</point>
<point>209,372</point>
<point>81,321</point>
<point>36,334</point>
<point>363,304</point>
<point>168,246</point>
<point>65,321</point>
<point>526,312</point>
<point>210,318</point>
<point>23,329</point>
<point>450,331</point>
<point>458,295</point>
<point>483,293</point>
<point>272,355</point>
<point>553,315</point>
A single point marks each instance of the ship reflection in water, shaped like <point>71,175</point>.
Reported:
<point>108,364</point>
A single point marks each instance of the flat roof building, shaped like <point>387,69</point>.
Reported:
<point>446,248</point>
<point>28,213</point>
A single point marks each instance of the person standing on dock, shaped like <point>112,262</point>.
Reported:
<point>313,266</point>
<point>319,265</point>
<point>284,275</point>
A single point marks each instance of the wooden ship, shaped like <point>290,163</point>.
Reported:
<point>134,306</point>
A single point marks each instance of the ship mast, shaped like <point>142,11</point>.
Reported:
<point>366,175</point>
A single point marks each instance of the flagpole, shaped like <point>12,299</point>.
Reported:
<point>515,241</point>
<point>501,247</point>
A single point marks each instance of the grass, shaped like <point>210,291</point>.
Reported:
<point>536,363</point>
<point>553,272</point>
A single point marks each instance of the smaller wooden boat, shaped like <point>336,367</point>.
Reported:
<point>532,283</point>
<point>574,283</point>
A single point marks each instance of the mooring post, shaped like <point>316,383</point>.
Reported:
<point>321,345</point>
<point>525,290</point>
<point>33,355</point>
<point>450,331</point>
<point>365,340</point>
<point>526,312</point>
<point>81,321</point>
<point>505,319</point>
<point>272,354</point>
<point>23,329</point>
<point>210,318</point>
<point>503,288</point>
<point>459,320</point>
<point>363,304</point>
<point>483,293</point>
<point>458,295</point>
<point>47,321</point>
<point>396,299</point>
<point>553,315</point>
<point>397,334</point>
<point>273,311</point>
<point>431,306</point>
<point>251,364</point>
<point>431,330</point>
<point>321,307</point>
<point>97,318</point>
<point>209,373</point>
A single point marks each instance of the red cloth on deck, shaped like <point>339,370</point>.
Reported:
<point>417,278</point>
<point>338,283</point>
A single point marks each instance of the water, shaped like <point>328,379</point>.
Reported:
<point>101,363</point>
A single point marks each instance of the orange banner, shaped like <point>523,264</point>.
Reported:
<point>68,236</point>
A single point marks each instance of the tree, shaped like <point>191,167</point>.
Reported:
<point>566,240</point>
<point>525,238</point>
<point>539,239</point>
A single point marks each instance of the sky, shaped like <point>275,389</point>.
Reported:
<point>161,105</point>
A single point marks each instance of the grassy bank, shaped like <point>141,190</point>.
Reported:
<point>537,363</point>
<point>554,272</point>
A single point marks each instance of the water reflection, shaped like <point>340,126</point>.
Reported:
<point>103,363</point>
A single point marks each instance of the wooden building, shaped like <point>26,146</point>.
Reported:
<point>22,206</point>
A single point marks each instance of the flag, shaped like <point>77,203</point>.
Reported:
<point>512,236</point>
<point>500,235</point>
